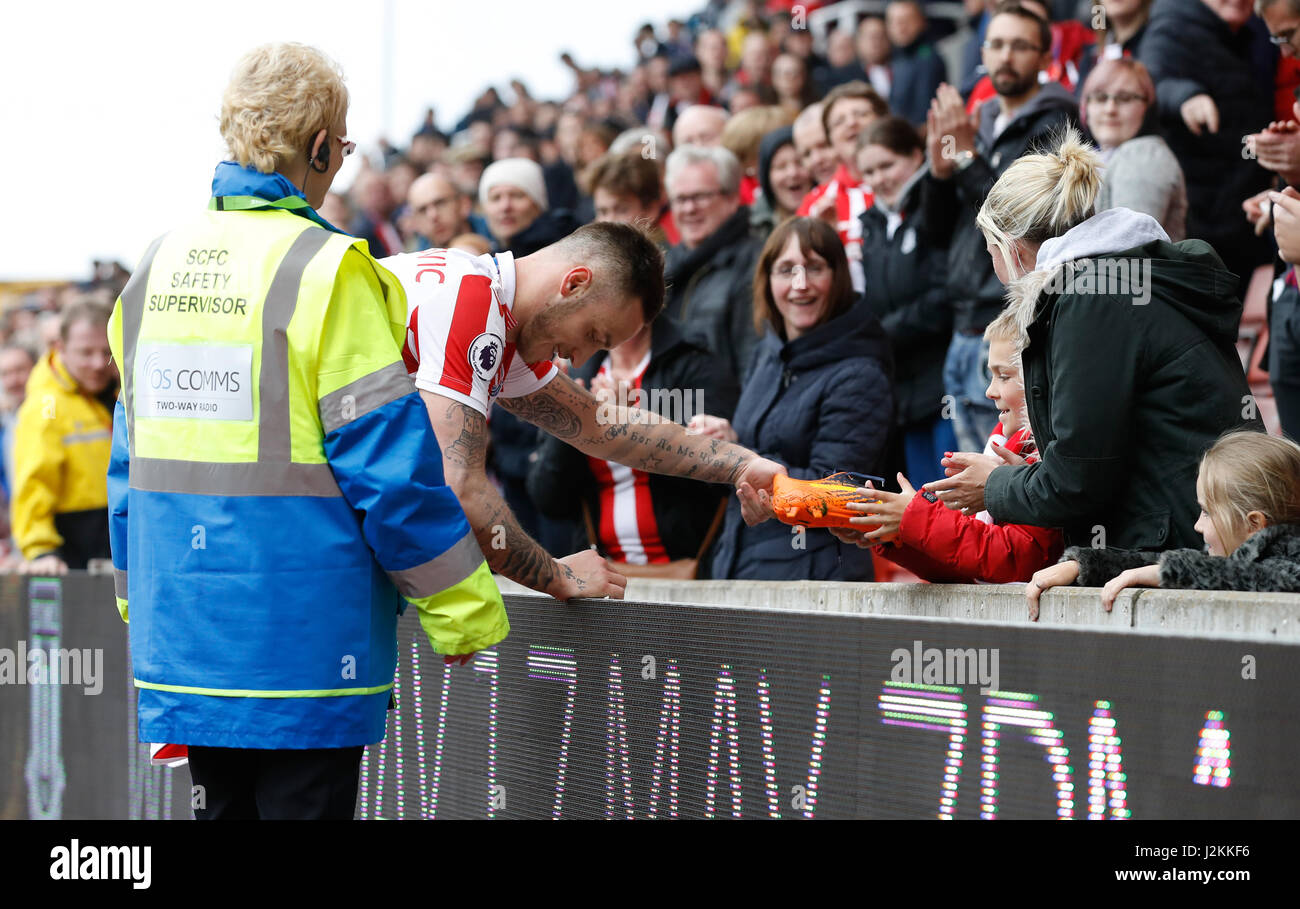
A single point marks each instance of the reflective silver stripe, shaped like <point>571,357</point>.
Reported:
<point>356,399</point>
<point>437,575</point>
<point>98,435</point>
<point>119,583</point>
<point>266,478</point>
<point>132,314</point>
<point>274,439</point>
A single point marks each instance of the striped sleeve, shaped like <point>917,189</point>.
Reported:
<point>455,332</point>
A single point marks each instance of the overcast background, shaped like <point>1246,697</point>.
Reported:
<point>109,110</point>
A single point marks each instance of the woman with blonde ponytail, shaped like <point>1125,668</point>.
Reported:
<point>1129,362</point>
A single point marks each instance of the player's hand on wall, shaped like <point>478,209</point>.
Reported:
<point>586,574</point>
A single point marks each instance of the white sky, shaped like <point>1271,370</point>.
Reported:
<point>109,109</point>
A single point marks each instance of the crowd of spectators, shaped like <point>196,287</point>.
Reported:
<point>832,257</point>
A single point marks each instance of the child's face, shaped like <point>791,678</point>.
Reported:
<point>1205,527</point>
<point>1006,390</point>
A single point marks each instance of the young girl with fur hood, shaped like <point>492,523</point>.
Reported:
<point>1248,489</point>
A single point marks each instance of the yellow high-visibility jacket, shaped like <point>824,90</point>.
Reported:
<point>62,442</point>
<point>276,490</point>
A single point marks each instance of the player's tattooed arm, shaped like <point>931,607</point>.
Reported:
<point>627,435</point>
<point>509,550</point>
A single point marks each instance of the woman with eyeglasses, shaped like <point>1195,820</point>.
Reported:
<point>818,399</point>
<point>1142,173</point>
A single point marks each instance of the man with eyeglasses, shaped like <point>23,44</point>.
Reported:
<point>966,156</point>
<point>710,272</point>
<point>1277,148</point>
<point>439,211</point>
<point>1283,20</point>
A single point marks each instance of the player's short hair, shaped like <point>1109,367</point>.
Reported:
<point>626,254</point>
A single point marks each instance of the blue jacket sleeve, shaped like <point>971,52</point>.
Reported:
<point>119,464</point>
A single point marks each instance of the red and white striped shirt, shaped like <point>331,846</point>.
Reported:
<point>627,531</point>
<point>458,313</point>
<point>852,198</point>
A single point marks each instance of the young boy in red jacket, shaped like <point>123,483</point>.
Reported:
<point>938,544</point>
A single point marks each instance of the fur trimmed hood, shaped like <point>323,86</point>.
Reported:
<point>1105,232</point>
<point>1267,561</point>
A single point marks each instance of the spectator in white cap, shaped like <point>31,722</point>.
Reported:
<point>512,192</point>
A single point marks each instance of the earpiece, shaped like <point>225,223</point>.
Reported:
<point>321,162</point>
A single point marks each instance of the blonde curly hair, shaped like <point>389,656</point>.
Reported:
<point>279,97</point>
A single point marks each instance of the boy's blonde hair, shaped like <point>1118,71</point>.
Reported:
<point>279,97</point>
<point>1006,327</point>
<point>1042,196</point>
<point>1250,471</point>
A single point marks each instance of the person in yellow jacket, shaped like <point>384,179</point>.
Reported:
<point>61,447</point>
<point>276,493</point>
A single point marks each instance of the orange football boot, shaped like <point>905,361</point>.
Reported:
<point>821,503</point>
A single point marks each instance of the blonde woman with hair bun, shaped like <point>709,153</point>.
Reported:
<point>1129,361</point>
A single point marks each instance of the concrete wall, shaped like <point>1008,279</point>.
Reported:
<point>1213,614</point>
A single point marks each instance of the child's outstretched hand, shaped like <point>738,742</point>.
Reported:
<point>1146,576</point>
<point>1058,575</point>
<point>887,511</point>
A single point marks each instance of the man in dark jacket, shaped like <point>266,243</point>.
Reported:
<point>561,478</point>
<point>964,165</point>
<point>710,273</point>
<point>1128,383</point>
<point>1213,68</point>
<point>916,68</point>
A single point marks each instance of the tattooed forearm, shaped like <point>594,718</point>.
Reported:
<point>462,434</point>
<point>509,550</point>
<point>627,435</point>
<point>469,447</point>
<point>661,446</point>
<point>552,409</point>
